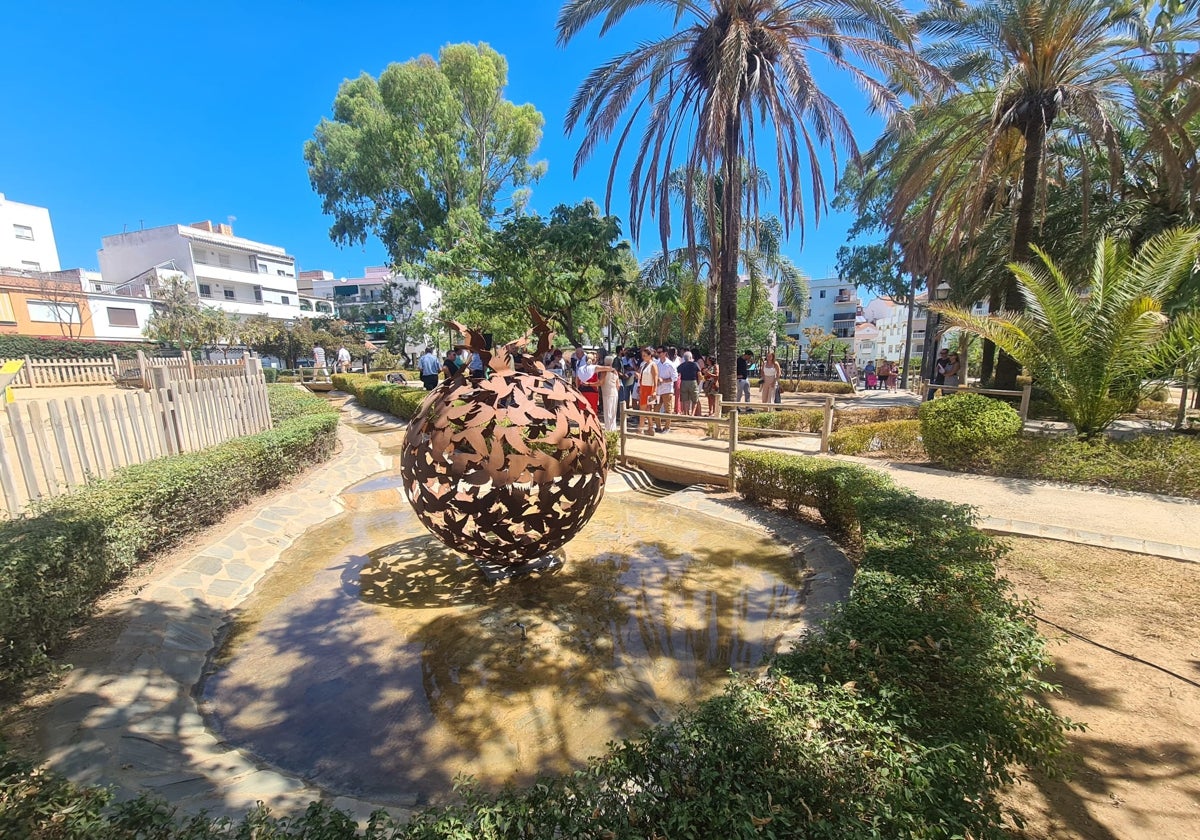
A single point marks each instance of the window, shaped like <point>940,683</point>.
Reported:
<point>120,317</point>
<point>199,256</point>
<point>23,232</point>
<point>262,269</point>
<point>822,294</point>
<point>229,294</point>
<point>223,259</point>
<point>285,300</point>
<point>258,294</point>
<point>6,310</point>
<point>281,272</point>
<point>205,290</point>
<point>53,312</point>
<point>30,265</point>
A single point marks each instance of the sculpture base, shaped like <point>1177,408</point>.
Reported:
<point>495,573</point>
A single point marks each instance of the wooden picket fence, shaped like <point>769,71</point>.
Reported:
<point>49,373</point>
<point>49,447</point>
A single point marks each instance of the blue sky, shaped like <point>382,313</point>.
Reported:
<point>150,113</point>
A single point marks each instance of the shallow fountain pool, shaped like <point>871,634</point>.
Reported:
<point>375,662</point>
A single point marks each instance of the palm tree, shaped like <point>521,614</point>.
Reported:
<point>1094,345</point>
<point>733,69</point>
<point>1024,65</point>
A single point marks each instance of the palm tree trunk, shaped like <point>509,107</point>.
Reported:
<point>731,216</point>
<point>1007,368</point>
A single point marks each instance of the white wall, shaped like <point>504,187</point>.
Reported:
<point>38,254</point>
<point>124,256</point>
<point>99,306</point>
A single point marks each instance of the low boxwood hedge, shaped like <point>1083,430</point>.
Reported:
<point>903,718</point>
<point>844,418</point>
<point>57,561</point>
<point>892,437</point>
<point>400,400</point>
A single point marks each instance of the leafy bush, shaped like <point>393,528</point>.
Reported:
<point>806,386</point>
<point>410,375</point>
<point>903,718</point>
<point>271,375</point>
<point>55,563</point>
<point>892,437</point>
<point>400,400</point>
<point>17,346</point>
<point>844,418</point>
<point>955,429</point>
<point>809,420</point>
<point>1155,463</point>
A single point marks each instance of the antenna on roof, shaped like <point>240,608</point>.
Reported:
<point>141,224</point>
<point>231,219</point>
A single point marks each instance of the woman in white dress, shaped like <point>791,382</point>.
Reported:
<point>770,378</point>
<point>609,384</point>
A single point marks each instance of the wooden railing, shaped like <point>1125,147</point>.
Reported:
<point>731,423</point>
<point>1023,395</point>
<point>823,401</point>
<point>52,373</point>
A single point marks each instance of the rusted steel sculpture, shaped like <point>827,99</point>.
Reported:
<point>508,466</point>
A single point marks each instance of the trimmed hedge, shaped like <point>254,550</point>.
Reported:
<point>903,718</point>
<point>410,375</point>
<point>17,346</point>
<point>809,420</point>
<point>844,418</point>
<point>805,386</point>
<point>56,562</point>
<point>400,400</point>
<point>892,437</point>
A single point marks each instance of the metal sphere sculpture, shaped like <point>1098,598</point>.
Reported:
<point>505,467</point>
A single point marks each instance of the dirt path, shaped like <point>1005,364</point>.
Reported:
<point>1137,765</point>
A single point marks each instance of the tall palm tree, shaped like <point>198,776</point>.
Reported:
<point>1023,65</point>
<point>730,70</point>
<point>1092,343</point>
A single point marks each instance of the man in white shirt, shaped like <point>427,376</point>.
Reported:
<point>667,374</point>
<point>343,359</point>
<point>319,360</point>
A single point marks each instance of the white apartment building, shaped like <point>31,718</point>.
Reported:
<point>360,300</point>
<point>833,307</point>
<point>231,273</point>
<point>26,237</point>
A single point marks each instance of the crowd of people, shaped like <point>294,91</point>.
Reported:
<point>663,380</point>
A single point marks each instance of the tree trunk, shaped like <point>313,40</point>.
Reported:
<point>1007,368</point>
<point>908,330</point>
<point>731,217</point>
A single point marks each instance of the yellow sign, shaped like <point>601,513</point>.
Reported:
<point>8,372</point>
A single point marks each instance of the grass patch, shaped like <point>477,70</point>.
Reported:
<point>55,563</point>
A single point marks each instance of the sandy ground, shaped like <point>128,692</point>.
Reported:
<point>1136,767</point>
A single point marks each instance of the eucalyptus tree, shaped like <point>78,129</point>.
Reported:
<point>730,72</point>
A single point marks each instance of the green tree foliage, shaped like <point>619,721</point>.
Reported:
<point>176,320</point>
<point>1091,342</point>
<point>429,150</point>
<point>563,264</point>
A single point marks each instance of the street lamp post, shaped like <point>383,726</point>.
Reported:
<point>941,294</point>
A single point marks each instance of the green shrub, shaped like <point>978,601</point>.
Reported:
<point>805,386</point>
<point>271,375</point>
<point>843,418</point>
<point>18,346</point>
<point>955,429</point>
<point>810,420</point>
<point>57,561</point>
<point>1153,463</point>
<point>892,437</point>
<point>399,400</point>
<point>410,375</point>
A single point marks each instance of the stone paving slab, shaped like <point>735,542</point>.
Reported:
<point>132,721</point>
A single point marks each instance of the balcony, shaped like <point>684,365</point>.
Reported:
<point>208,273</point>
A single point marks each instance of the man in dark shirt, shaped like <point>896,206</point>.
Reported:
<point>689,385</point>
<point>939,372</point>
<point>743,377</point>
